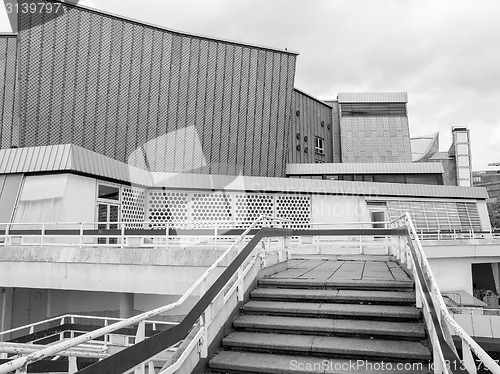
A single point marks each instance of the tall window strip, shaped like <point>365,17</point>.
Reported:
<point>438,215</point>
<point>373,109</point>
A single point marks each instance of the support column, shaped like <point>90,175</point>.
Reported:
<point>496,277</point>
<point>126,305</point>
<point>6,299</point>
<point>48,305</point>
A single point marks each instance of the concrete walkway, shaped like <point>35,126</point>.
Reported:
<point>345,268</point>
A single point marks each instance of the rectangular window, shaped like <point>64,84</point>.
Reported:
<point>108,192</point>
<point>320,146</point>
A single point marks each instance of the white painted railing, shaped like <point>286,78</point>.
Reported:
<point>163,234</point>
<point>20,364</point>
<point>433,301</point>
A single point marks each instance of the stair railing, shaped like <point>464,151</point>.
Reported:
<point>437,316</point>
<point>146,348</point>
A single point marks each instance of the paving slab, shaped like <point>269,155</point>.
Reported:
<point>329,309</point>
<point>281,342</point>
<point>328,345</point>
<point>377,311</point>
<point>296,294</point>
<point>373,295</point>
<point>282,307</point>
<point>367,284</point>
<point>252,362</point>
<point>296,324</point>
<point>371,348</point>
<point>331,326</point>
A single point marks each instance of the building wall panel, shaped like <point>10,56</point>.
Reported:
<point>9,120</point>
<point>375,139</point>
<point>310,118</point>
<point>143,95</point>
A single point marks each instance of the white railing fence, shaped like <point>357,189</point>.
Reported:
<point>163,234</point>
<point>429,298</point>
<point>200,343</point>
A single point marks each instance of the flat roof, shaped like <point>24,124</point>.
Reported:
<point>75,159</point>
<point>365,168</point>
<point>372,97</point>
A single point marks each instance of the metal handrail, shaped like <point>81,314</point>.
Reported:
<point>441,305</point>
<point>65,316</point>
<point>65,345</point>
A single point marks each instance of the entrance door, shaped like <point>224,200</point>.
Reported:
<point>107,213</point>
<point>378,218</point>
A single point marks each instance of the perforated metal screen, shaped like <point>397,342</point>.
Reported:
<point>172,206</point>
<point>133,207</point>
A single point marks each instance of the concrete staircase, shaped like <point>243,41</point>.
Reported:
<point>341,315</point>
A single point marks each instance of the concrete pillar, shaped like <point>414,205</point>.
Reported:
<point>6,298</point>
<point>126,305</point>
<point>48,305</point>
<point>496,277</point>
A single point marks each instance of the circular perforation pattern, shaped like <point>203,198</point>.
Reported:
<point>167,207</point>
<point>211,207</point>
<point>133,206</point>
<point>250,207</point>
<point>294,208</point>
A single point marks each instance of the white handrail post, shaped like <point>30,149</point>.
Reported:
<point>43,235</point>
<point>151,367</point>
<point>240,288</point>
<point>216,233</point>
<point>7,234</point>
<point>139,337</point>
<point>81,234</point>
<point>167,234</point>
<point>72,365</point>
<point>122,233</point>
<point>468,360</point>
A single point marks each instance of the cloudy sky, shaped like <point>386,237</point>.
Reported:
<point>444,53</point>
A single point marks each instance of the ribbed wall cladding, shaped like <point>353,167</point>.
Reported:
<point>9,119</point>
<point>311,118</point>
<point>154,98</point>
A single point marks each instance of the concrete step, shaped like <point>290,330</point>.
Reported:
<point>347,284</point>
<point>334,296</point>
<point>356,311</point>
<point>328,346</point>
<point>252,363</point>
<point>327,326</point>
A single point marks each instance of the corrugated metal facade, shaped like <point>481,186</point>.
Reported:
<point>310,118</point>
<point>337,153</point>
<point>129,90</point>
<point>9,119</point>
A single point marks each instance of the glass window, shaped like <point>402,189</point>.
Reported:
<point>320,146</point>
<point>108,192</point>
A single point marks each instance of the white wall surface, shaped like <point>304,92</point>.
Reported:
<point>57,198</point>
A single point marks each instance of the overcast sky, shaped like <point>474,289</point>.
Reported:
<point>444,53</point>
